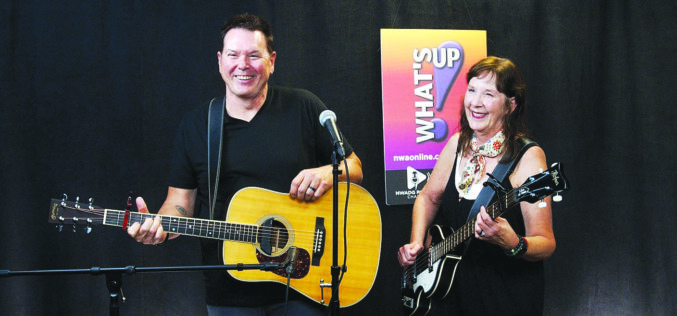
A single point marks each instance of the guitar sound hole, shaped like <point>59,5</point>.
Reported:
<point>273,237</point>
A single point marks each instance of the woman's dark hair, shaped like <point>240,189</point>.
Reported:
<point>249,22</point>
<point>510,82</point>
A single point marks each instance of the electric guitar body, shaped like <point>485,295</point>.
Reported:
<point>432,273</point>
<point>432,282</point>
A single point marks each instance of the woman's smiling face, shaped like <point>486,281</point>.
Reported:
<point>485,106</point>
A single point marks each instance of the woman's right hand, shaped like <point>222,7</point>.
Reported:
<point>407,254</point>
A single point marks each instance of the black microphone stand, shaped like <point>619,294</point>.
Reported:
<point>334,303</point>
<point>114,275</point>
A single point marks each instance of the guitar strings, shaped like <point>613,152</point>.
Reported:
<point>422,263</point>
<point>204,227</point>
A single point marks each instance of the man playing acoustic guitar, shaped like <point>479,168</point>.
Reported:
<point>272,138</point>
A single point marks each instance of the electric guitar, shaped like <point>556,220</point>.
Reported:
<point>432,273</point>
<point>264,226</point>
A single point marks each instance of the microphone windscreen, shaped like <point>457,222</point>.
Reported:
<point>325,115</point>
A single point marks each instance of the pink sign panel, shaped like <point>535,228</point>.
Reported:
<point>423,81</point>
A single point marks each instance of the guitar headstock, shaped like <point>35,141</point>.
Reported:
<point>546,183</point>
<point>63,212</point>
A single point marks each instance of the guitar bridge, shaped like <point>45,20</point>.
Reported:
<point>318,241</point>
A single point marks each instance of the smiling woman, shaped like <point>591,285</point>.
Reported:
<point>507,256</point>
<point>497,78</point>
<point>485,107</point>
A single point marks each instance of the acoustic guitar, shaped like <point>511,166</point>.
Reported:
<point>264,226</point>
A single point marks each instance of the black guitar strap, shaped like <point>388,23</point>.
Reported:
<point>214,148</point>
<point>500,173</point>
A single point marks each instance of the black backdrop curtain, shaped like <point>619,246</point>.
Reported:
<point>92,92</point>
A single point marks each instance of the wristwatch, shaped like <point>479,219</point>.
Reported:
<point>520,249</point>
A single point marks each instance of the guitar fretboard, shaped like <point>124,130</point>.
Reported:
<point>468,229</point>
<point>189,226</point>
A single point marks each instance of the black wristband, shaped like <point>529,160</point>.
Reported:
<point>520,249</point>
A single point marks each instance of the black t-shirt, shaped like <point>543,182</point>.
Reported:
<point>283,138</point>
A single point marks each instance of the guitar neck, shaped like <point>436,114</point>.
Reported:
<point>187,226</point>
<point>468,229</point>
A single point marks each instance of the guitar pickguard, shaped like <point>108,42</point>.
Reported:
<point>301,264</point>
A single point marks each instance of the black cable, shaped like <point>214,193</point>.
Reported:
<point>345,224</point>
<point>286,294</point>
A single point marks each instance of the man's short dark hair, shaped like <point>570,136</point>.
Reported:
<point>249,22</point>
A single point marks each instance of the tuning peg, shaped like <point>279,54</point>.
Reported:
<point>88,229</point>
<point>557,197</point>
<point>75,222</point>
<point>60,226</point>
<point>91,203</point>
<point>542,204</point>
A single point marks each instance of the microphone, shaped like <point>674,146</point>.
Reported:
<point>328,120</point>
<point>292,256</point>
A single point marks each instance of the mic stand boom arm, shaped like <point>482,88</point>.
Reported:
<point>114,275</point>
